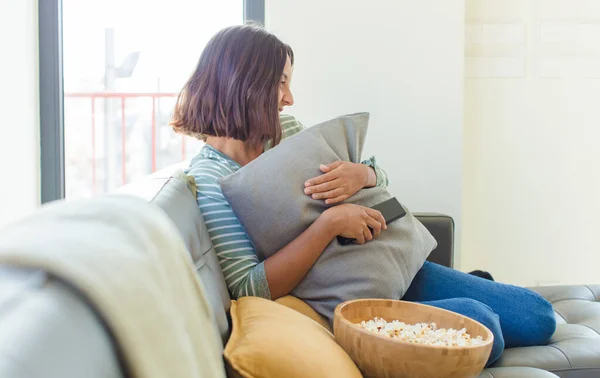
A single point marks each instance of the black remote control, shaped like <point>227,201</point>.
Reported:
<point>391,210</point>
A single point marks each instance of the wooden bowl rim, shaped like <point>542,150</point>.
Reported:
<point>338,314</point>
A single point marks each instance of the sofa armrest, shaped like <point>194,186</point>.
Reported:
<point>442,228</point>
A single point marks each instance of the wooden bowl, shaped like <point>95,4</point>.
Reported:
<point>379,356</point>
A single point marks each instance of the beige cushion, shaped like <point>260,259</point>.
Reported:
<point>269,340</point>
<point>301,307</point>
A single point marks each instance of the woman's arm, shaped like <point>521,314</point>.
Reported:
<point>381,178</point>
<point>244,273</point>
<point>286,268</point>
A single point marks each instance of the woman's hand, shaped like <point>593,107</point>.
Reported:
<point>355,222</point>
<point>340,181</point>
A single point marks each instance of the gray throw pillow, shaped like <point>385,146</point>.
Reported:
<point>268,197</point>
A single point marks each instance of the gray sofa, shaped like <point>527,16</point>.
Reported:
<point>47,329</point>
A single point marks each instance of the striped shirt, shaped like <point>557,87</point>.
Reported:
<point>244,273</point>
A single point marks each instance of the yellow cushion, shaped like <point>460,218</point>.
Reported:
<point>301,306</point>
<point>269,340</point>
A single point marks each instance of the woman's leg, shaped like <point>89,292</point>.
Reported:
<point>526,318</point>
<point>480,312</point>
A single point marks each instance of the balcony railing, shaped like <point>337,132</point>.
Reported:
<point>123,99</point>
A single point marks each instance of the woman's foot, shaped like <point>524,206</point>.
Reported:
<point>482,274</point>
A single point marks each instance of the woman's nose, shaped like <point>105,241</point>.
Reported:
<point>288,98</point>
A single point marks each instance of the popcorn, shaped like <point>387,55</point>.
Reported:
<point>421,333</point>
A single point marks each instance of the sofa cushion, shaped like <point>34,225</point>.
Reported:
<point>442,228</point>
<point>269,340</point>
<point>48,330</point>
<point>174,193</point>
<point>515,372</point>
<point>301,306</point>
<point>128,259</point>
<point>574,350</point>
<point>275,213</point>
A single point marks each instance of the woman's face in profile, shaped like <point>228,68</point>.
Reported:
<point>285,93</point>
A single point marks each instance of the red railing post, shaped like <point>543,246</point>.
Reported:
<point>123,150</point>
<point>93,96</point>
<point>153,134</point>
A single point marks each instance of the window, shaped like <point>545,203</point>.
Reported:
<point>122,65</point>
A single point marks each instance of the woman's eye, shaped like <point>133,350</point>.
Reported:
<point>283,83</point>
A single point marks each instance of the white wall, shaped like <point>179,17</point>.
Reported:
<point>532,129</point>
<point>19,114</point>
<point>400,60</point>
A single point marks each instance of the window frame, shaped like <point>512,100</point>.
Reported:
<point>52,149</point>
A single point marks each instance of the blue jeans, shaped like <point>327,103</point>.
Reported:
<point>516,316</point>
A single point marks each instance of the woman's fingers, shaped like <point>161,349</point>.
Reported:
<point>378,217</point>
<point>374,224</point>
<point>329,194</point>
<point>324,188</point>
<point>321,179</point>
<point>367,233</point>
<point>344,176</point>
<point>360,238</point>
<point>337,199</point>
<point>330,167</point>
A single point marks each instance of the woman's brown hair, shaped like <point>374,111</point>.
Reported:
<point>233,91</point>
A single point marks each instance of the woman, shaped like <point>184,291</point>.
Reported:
<point>232,101</point>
